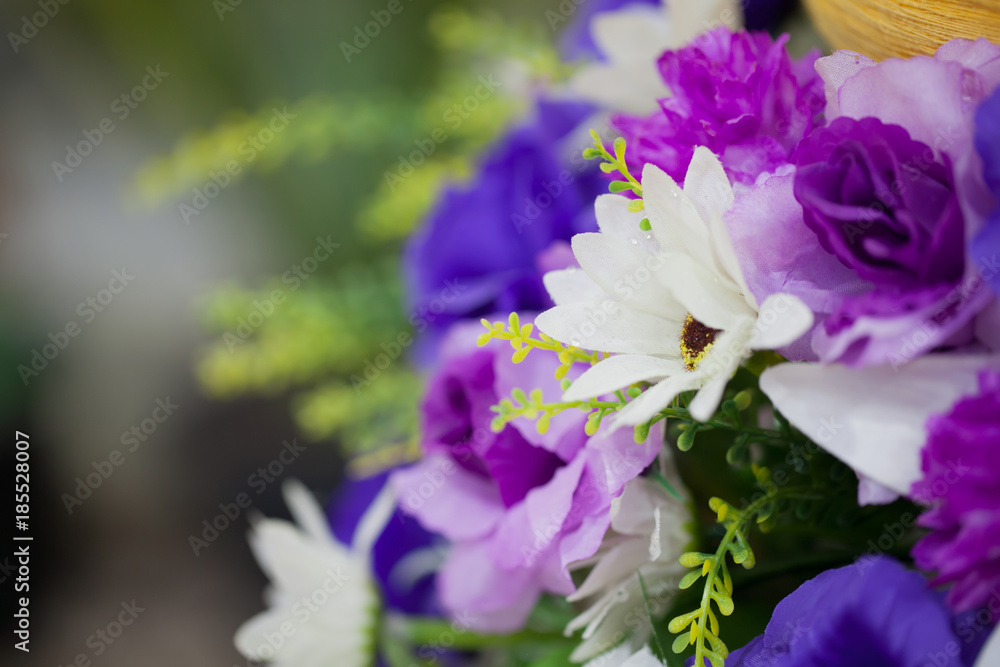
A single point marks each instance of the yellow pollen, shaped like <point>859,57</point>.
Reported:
<point>696,340</point>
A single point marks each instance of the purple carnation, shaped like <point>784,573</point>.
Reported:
<point>517,506</point>
<point>886,209</point>
<point>961,464</point>
<point>483,248</point>
<point>873,612</point>
<point>987,244</point>
<point>737,93</point>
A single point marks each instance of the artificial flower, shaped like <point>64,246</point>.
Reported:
<point>737,93</point>
<point>647,536</point>
<point>986,245</point>
<point>485,245</point>
<point>631,40</point>
<point>517,506</point>
<point>873,612</point>
<point>324,603</point>
<point>874,419</point>
<point>891,215</point>
<point>671,304</point>
<point>961,481</point>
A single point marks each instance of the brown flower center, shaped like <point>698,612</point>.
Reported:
<point>696,341</point>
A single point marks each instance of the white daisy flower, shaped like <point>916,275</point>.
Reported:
<point>323,601</point>
<point>672,303</point>
<point>647,537</point>
<point>632,40</point>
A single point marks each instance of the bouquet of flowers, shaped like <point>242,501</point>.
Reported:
<point>707,346</point>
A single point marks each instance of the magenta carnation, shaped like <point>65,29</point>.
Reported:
<point>961,464</point>
<point>737,93</point>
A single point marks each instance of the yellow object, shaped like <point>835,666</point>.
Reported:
<point>883,29</point>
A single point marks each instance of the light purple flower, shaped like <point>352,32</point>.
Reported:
<point>961,464</point>
<point>518,506</point>
<point>875,313</point>
<point>737,93</point>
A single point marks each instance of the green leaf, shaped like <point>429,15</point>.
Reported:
<point>681,642</point>
<point>688,579</point>
<point>619,186</point>
<point>686,440</point>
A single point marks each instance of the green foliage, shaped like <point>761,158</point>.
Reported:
<point>323,341</point>
<point>612,163</point>
<point>521,340</point>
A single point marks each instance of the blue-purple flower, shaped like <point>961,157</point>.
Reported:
<point>873,613</point>
<point>485,245</point>
<point>986,245</point>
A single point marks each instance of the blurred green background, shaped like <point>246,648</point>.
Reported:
<point>66,231</point>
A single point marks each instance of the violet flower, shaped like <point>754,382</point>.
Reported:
<point>886,211</point>
<point>517,506</point>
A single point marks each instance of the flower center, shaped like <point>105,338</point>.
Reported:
<point>696,341</point>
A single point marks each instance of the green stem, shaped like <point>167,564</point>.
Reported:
<point>434,632</point>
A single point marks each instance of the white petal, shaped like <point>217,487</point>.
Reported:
<point>782,320</point>
<point>305,510</point>
<point>572,285</point>
<point>620,371</point>
<point>626,89</point>
<point>613,217</point>
<point>674,219</point>
<point>373,521</point>
<point>616,657</point>
<point>644,658</point>
<point>873,418</point>
<point>630,35</point>
<point>615,565</point>
<point>656,398</point>
<point>703,294</point>
<point>708,186</point>
<point>626,273</point>
<point>707,400</point>
<point>689,19</point>
<point>990,655</point>
<point>609,326</point>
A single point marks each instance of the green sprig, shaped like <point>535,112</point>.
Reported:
<point>520,338</point>
<point>612,163</point>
